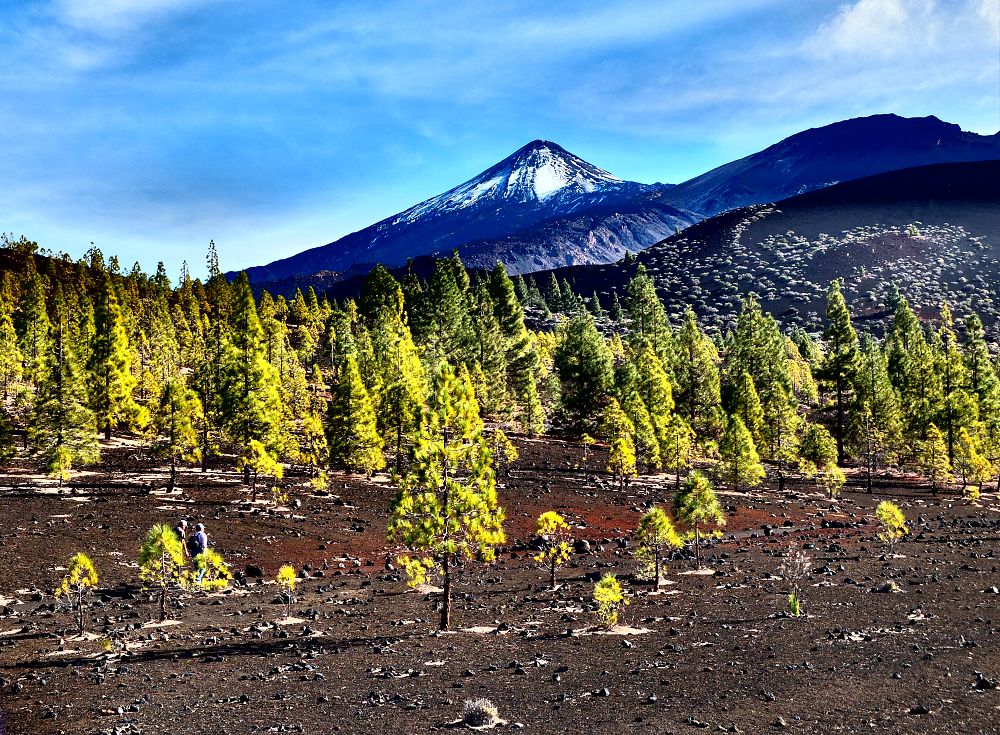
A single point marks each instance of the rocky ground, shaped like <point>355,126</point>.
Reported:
<point>709,653</point>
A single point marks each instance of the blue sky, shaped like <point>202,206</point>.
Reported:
<point>272,126</point>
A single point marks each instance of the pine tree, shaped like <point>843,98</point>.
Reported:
<point>618,432</point>
<point>490,354</point>
<point>11,358</point>
<point>35,329</point>
<point>740,461</point>
<point>314,450</point>
<point>522,361</point>
<point>355,443</point>
<point>818,452</point>
<point>616,312</point>
<point>554,295</point>
<point>251,399</point>
<point>595,306</point>
<point>585,370</point>
<point>697,506</point>
<point>554,532</point>
<point>698,397</point>
<point>745,403</point>
<point>655,537</point>
<point>933,459</point>
<point>161,562</point>
<point>644,438</point>
<point>840,365</point>
<point>653,385</point>
<point>960,409</point>
<point>175,425</point>
<point>110,364</point>
<point>970,462</point>
<point>648,317</point>
<point>876,428</point>
<point>920,389</point>
<point>757,347</point>
<point>447,506</point>
<point>679,438</point>
<point>444,315</point>
<point>63,429</point>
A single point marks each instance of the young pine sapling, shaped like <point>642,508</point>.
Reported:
<point>80,579</point>
<point>286,581</point>
<point>656,538</point>
<point>553,530</point>
<point>161,562</point>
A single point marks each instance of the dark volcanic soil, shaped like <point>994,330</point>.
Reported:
<point>719,654</point>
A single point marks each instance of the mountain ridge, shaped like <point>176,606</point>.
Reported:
<point>538,181</point>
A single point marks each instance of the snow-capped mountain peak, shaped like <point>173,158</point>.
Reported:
<point>532,174</point>
<point>534,184</point>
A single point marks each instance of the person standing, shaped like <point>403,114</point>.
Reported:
<point>181,529</point>
<point>198,544</point>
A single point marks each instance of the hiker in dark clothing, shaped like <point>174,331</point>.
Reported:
<point>198,544</point>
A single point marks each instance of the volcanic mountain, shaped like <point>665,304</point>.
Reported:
<point>934,231</point>
<point>819,157</point>
<point>537,183</point>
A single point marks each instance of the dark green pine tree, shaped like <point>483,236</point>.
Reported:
<point>586,372</point>
<point>757,348</point>
<point>252,409</point>
<point>876,428</point>
<point>63,429</point>
<point>445,315</point>
<point>616,313</point>
<point>110,366</point>
<point>983,383</point>
<point>920,390</point>
<point>698,397</point>
<point>554,295</point>
<point>490,355</point>
<point>35,328</point>
<point>840,365</point>
<point>11,359</point>
<point>521,357</point>
<point>960,408</point>
<point>595,306</point>
<point>354,440</point>
<point>648,317</point>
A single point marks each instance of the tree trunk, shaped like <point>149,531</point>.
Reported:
<point>656,580</point>
<point>697,546</point>
<point>446,602</point>
<point>163,602</point>
<point>79,611</point>
<point>107,432</point>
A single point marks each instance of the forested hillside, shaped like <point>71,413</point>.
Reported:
<point>206,370</point>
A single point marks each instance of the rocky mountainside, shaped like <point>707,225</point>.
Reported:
<point>539,182</point>
<point>819,157</point>
<point>933,230</point>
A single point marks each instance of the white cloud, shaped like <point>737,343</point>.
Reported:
<point>114,17</point>
<point>877,28</point>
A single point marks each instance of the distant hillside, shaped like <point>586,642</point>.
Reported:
<point>843,151</point>
<point>788,252</point>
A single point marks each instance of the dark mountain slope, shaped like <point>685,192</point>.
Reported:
<point>789,252</point>
<point>819,157</point>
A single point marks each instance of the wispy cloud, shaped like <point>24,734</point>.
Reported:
<point>273,125</point>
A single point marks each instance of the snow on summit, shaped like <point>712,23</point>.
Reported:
<point>534,173</point>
